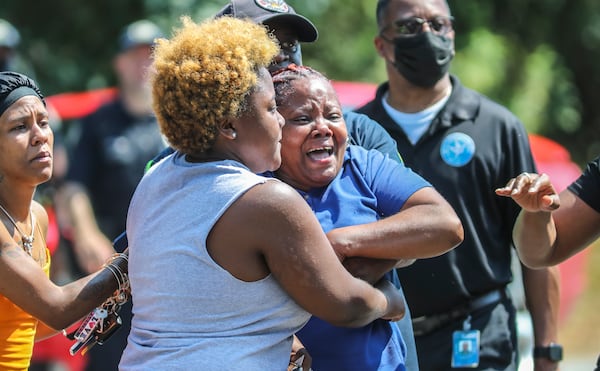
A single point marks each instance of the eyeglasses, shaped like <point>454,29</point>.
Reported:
<point>439,25</point>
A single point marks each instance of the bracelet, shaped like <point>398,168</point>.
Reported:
<point>116,256</point>
<point>120,295</point>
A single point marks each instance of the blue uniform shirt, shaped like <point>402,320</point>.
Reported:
<point>370,186</point>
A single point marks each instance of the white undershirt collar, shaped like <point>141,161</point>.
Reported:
<point>415,124</point>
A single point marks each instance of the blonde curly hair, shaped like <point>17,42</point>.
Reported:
<point>204,74</point>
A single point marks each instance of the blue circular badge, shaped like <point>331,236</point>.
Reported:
<point>457,149</point>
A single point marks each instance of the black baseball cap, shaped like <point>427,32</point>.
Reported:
<point>266,11</point>
<point>142,32</point>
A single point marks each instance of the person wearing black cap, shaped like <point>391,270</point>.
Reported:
<point>112,146</point>
<point>289,27</point>
<point>32,306</point>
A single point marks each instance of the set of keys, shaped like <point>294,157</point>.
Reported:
<point>98,326</point>
<point>104,320</point>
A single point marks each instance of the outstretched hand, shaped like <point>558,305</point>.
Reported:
<point>533,192</point>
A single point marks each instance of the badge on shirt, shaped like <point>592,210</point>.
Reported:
<point>465,347</point>
<point>457,149</point>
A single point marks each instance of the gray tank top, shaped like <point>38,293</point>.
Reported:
<point>189,313</point>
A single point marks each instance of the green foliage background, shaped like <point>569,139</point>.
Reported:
<point>538,57</point>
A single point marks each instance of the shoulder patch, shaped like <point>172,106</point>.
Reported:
<point>273,5</point>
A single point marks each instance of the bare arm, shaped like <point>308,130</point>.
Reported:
<point>91,246</point>
<point>25,284</point>
<point>542,297</point>
<point>425,227</point>
<point>550,227</point>
<point>276,232</point>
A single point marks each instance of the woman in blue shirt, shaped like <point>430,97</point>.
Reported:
<point>377,214</point>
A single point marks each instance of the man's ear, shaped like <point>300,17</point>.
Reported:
<point>379,43</point>
<point>226,128</point>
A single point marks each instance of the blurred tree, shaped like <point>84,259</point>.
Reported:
<point>538,57</point>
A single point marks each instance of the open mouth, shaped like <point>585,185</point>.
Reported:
<point>320,153</point>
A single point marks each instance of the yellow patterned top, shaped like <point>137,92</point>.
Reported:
<point>17,332</point>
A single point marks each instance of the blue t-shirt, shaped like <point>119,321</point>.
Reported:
<point>369,187</point>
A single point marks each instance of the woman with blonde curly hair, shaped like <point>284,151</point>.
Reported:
<point>226,265</point>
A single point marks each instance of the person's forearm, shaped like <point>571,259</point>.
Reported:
<point>370,270</point>
<point>534,235</point>
<point>81,212</point>
<point>542,296</point>
<point>418,232</point>
<point>78,298</point>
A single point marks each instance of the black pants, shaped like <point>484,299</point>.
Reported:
<point>498,340</point>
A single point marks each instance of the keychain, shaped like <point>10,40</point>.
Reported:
<point>98,326</point>
<point>104,320</point>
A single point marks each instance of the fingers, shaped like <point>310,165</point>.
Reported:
<point>533,192</point>
<point>523,182</point>
<point>551,202</point>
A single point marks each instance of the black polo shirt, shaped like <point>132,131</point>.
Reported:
<point>472,147</point>
<point>112,148</point>
<point>587,186</point>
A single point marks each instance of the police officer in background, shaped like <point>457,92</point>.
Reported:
<point>112,146</point>
<point>10,60</point>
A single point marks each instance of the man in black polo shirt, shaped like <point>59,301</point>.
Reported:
<point>466,146</point>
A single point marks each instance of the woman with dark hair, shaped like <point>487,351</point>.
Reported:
<point>377,213</point>
<point>32,306</point>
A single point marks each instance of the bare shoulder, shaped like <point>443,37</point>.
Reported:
<point>272,196</point>
<point>269,211</point>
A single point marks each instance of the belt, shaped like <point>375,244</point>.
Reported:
<point>427,324</point>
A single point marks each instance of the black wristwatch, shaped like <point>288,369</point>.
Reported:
<point>553,352</point>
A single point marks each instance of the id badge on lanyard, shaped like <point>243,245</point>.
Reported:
<point>465,347</point>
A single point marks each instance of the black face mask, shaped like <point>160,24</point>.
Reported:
<point>424,58</point>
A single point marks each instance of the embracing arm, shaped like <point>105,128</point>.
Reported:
<point>276,232</point>
<point>425,227</point>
